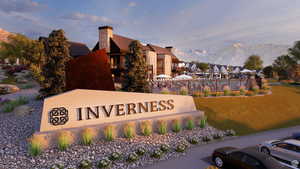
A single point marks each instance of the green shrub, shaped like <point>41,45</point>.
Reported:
<point>88,135</point>
<point>235,94</point>
<point>165,91</point>
<point>27,86</point>
<point>176,126</point>
<point>242,90</point>
<point>183,91</point>
<point>146,128</point>
<point>162,127</point>
<point>202,122</point>
<point>129,130</point>
<point>206,91</point>
<point>193,140</point>
<point>230,133</point>
<point>11,105</point>
<point>115,156</point>
<point>110,132</point>
<point>180,148</point>
<point>218,135</point>
<point>141,151</point>
<point>207,138</point>
<point>64,140</point>
<point>227,90</point>
<point>190,123</point>
<point>132,157</point>
<point>104,163</point>
<point>85,164</point>
<point>57,166</point>
<point>164,148</point>
<point>157,153</point>
<point>255,89</point>
<point>197,94</point>
<point>36,145</point>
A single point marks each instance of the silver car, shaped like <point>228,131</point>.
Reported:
<point>286,151</point>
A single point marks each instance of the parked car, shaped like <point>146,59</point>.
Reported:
<point>286,151</point>
<point>247,158</point>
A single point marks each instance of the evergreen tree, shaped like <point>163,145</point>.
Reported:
<point>57,52</point>
<point>135,77</point>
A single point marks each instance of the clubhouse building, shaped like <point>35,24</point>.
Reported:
<point>159,60</point>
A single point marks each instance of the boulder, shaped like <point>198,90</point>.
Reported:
<point>8,88</point>
<point>23,110</point>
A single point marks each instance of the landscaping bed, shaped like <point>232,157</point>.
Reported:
<point>16,129</point>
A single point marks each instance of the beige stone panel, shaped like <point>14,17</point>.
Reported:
<point>167,65</point>
<point>92,98</point>
<point>151,58</point>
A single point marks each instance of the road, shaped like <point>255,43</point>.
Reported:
<point>200,157</point>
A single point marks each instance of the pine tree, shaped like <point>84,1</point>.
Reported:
<point>57,54</point>
<point>135,77</point>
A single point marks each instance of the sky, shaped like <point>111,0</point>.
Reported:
<point>184,24</point>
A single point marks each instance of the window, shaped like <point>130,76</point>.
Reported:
<point>253,162</point>
<point>237,155</point>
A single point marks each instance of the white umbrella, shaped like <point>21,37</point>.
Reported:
<point>246,71</point>
<point>163,76</point>
<point>183,77</point>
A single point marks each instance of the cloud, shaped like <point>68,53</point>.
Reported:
<point>77,16</point>
<point>20,6</point>
<point>132,4</point>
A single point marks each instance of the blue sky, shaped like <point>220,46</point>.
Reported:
<point>184,24</point>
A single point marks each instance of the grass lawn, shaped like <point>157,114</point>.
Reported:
<point>248,115</point>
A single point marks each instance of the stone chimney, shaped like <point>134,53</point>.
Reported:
<point>170,48</point>
<point>105,33</point>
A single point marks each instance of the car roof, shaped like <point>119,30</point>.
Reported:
<point>292,141</point>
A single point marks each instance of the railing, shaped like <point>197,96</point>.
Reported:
<point>215,85</point>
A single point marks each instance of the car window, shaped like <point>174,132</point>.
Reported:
<point>237,155</point>
<point>289,147</point>
<point>253,162</point>
<point>282,145</point>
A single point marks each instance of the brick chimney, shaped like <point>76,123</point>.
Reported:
<point>105,33</point>
<point>170,48</point>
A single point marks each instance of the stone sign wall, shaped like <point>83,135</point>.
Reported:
<point>80,108</point>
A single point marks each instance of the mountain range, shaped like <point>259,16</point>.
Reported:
<point>234,54</point>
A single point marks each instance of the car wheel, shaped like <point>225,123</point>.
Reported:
<point>265,150</point>
<point>219,162</point>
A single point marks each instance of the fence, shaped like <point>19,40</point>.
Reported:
<point>216,85</point>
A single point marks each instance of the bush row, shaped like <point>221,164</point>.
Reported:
<point>226,91</point>
<point>65,138</point>
<point>157,153</point>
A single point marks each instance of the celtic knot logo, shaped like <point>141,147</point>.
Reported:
<point>58,116</point>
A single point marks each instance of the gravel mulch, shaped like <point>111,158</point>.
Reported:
<point>15,130</point>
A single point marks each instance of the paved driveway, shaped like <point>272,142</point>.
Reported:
<point>199,157</point>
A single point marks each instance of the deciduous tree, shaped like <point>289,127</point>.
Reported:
<point>254,62</point>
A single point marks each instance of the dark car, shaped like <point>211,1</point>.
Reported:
<point>247,158</point>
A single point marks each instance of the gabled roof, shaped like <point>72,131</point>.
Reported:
<point>78,49</point>
<point>160,50</point>
<point>75,48</point>
<point>122,42</point>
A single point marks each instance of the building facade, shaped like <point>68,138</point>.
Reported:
<point>159,60</point>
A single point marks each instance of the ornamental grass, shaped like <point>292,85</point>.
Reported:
<point>36,144</point>
<point>64,140</point>
<point>146,127</point>
<point>129,130</point>
<point>190,123</point>
<point>110,132</point>
<point>162,127</point>
<point>165,91</point>
<point>206,91</point>
<point>184,91</point>
<point>226,90</point>
<point>176,125</point>
<point>87,136</point>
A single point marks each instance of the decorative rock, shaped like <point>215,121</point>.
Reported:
<point>8,88</point>
<point>23,110</point>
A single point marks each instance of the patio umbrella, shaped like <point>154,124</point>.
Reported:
<point>247,71</point>
<point>183,77</point>
<point>163,76</point>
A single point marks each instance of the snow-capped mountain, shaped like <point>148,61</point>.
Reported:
<point>234,54</point>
